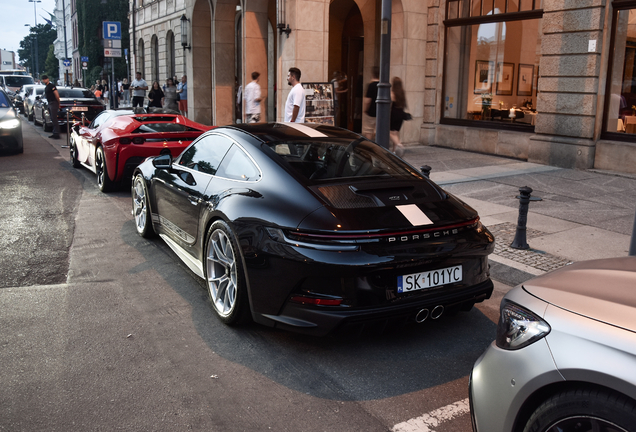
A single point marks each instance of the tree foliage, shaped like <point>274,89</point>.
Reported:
<point>45,35</point>
<point>51,65</point>
<point>90,15</point>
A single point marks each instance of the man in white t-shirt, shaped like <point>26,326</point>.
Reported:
<point>253,99</point>
<point>295,105</point>
<point>138,88</point>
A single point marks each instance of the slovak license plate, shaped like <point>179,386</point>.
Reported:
<point>428,279</point>
<point>79,108</point>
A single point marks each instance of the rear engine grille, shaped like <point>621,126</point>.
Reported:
<point>342,197</point>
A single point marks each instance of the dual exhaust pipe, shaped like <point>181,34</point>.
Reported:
<point>422,315</point>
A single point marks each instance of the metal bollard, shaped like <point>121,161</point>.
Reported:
<point>426,170</point>
<point>520,237</point>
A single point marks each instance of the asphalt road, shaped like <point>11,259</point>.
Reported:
<point>104,330</point>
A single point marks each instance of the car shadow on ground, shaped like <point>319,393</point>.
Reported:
<point>338,367</point>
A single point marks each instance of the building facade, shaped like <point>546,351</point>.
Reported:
<point>63,45</point>
<point>549,81</point>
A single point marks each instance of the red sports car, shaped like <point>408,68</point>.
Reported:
<point>116,141</point>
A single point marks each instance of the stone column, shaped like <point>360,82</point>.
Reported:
<point>432,76</point>
<point>256,47</point>
<point>568,83</point>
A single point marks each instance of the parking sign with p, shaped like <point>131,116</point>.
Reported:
<point>111,29</point>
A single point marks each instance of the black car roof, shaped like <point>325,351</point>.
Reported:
<point>273,132</point>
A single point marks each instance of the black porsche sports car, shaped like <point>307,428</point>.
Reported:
<point>313,228</point>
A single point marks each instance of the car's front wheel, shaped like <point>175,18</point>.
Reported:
<point>73,150</point>
<point>584,410</point>
<point>224,274</point>
<point>104,183</point>
<point>141,210</point>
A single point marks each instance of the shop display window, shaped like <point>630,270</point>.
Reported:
<point>620,106</point>
<point>491,68</point>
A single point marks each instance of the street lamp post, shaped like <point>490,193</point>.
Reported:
<point>35,17</point>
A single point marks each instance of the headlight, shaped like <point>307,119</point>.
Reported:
<point>518,327</point>
<point>10,124</point>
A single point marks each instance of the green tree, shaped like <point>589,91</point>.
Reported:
<point>45,35</point>
<point>51,65</point>
<point>90,15</point>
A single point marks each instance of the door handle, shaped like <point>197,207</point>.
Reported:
<point>193,200</point>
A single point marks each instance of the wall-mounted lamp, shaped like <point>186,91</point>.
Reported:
<point>184,32</point>
<point>280,18</point>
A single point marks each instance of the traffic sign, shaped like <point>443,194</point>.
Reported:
<point>84,59</point>
<point>111,30</point>
<point>66,62</point>
<point>112,52</point>
<point>84,65</point>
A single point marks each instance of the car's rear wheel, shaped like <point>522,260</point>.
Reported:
<point>224,274</point>
<point>584,411</point>
<point>141,209</point>
<point>103,181</point>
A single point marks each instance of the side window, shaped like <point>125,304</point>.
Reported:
<point>97,121</point>
<point>206,154</point>
<point>238,166</point>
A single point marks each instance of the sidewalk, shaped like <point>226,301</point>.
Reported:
<point>583,214</point>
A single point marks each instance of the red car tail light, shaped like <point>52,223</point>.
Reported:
<point>336,301</point>
<point>138,140</point>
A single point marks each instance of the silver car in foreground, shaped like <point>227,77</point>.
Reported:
<point>565,355</point>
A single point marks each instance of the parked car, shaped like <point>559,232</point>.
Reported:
<point>116,141</point>
<point>14,82</point>
<point>77,102</point>
<point>10,126</point>
<point>565,355</point>
<point>312,228</point>
<point>20,96</point>
<point>30,99</point>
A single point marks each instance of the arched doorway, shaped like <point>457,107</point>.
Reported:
<point>154,43</point>
<point>346,55</point>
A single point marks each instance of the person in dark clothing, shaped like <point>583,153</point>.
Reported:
<point>155,95</point>
<point>398,115</point>
<point>53,98</point>
<point>369,102</point>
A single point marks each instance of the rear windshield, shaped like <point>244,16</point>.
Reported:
<point>75,93</point>
<point>341,158</point>
<point>17,80</point>
<point>163,127</point>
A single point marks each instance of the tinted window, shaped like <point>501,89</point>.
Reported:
<point>164,127</point>
<point>238,166</point>
<point>17,80</point>
<point>100,119</point>
<point>336,158</point>
<point>206,154</point>
<point>75,93</point>
<point>4,102</point>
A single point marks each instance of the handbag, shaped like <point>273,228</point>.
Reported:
<point>407,116</point>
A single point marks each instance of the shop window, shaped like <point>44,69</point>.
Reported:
<point>492,63</point>
<point>620,105</point>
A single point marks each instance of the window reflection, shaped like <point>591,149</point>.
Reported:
<point>621,112</point>
<point>491,70</point>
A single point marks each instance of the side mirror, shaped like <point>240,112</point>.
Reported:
<point>162,162</point>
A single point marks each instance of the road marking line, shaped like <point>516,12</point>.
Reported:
<point>434,418</point>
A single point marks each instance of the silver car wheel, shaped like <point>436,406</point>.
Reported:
<point>584,424</point>
<point>139,206</point>
<point>221,272</point>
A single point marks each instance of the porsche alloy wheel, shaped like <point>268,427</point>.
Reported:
<point>103,181</point>
<point>141,211</point>
<point>224,274</point>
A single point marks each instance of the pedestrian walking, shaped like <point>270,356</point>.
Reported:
<point>53,98</point>
<point>182,91</point>
<point>138,88</point>
<point>155,96</point>
<point>341,88</point>
<point>398,115</point>
<point>170,96</point>
<point>295,105</point>
<point>253,99</point>
<point>125,86</point>
<point>369,105</point>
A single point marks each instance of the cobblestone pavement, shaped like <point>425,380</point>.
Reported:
<point>504,235</point>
